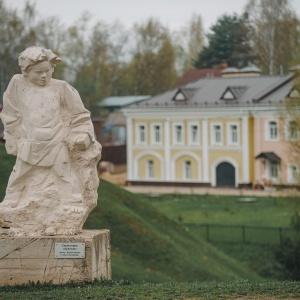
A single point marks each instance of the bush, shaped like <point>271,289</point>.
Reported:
<point>288,255</point>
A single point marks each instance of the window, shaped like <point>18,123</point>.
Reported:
<point>292,131</point>
<point>217,135</point>
<point>150,168</point>
<point>293,174</point>
<point>142,134</point>
<point>194,134</point>
<point>273,170</point>
<point>119,135</point>
<point>187,169</point>
<point>233,134</point>
<point>178,134</point>
<point>273,130</point>
<point>156,134</point>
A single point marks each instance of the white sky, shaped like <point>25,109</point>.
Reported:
<point>173,13</point>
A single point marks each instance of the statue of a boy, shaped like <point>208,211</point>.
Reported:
<point>53,185</point>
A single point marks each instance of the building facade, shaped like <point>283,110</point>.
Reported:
<point>229,131</point>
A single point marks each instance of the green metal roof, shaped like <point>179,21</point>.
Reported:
<point>121,101</point>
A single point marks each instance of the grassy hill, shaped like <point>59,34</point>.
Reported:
<point>257,250</point>
<point>146,245</point>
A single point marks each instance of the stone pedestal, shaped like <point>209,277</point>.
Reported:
<point>55,259</point>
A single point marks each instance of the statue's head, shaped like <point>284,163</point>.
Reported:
<point>37,64</point>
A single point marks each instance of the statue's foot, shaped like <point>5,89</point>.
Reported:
<point>78,210</point>
<point>69,231</point>
<point>51,230</point>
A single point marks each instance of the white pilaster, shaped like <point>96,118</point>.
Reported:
<point>205,177</point>
<point>129,141</point>
<point>245,147</point>
<point>167,149</point>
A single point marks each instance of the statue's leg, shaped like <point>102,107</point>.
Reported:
<point>16,184</point>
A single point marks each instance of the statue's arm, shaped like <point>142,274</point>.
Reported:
<point>11,118</point>
<point>81,127</point>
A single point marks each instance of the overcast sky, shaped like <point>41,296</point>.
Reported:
<point>173,13</point>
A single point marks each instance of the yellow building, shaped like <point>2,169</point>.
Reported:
<point>202,133</point>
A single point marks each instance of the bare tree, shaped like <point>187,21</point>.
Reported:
<point>189,42</point>
<point>276,33</point>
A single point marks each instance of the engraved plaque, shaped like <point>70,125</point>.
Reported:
<point>69,250</point>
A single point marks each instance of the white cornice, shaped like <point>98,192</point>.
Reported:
<point>203,111</point>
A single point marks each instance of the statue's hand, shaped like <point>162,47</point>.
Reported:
<point>82,141</point>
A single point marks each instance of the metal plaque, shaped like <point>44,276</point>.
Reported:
<point>69,250</point>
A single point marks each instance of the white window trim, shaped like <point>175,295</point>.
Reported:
<point>190,141</point>
<point>147,172</point>
<point>153,133</point>
<point>229,141</point>
<point>290,178</point>
<point>183,171</point>
<point>273,179</point>
<point>175,142</point>
<point>212,135</point>
<point>137,133</point>
<point>287,132</point>
<point>267,130</point>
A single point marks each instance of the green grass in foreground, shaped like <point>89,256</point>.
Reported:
<point>227,210</point>
<point>124,291</point>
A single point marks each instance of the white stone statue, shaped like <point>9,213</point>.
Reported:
<point>53,185</point>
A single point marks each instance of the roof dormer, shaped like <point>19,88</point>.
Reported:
<point>233,93</point>
<point>228,95</point>
<point>183,94</point>
<point>294,93</point>
<point>179,96</point>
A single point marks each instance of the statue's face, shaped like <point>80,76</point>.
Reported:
<point>40,74</point>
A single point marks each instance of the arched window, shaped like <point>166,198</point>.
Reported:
<point>150,168</point>
<point>187,169</point>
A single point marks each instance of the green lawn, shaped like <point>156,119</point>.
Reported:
<point>165,291</point>
<point>255,248</point>
<point>227,210</point>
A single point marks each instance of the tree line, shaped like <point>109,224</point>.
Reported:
<point>104,59</point>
